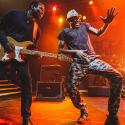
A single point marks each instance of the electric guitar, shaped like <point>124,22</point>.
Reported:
<point>21,48</point>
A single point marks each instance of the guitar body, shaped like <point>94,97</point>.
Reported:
<point>18,46</point>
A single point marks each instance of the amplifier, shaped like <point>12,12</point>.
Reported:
<point>49,91</point>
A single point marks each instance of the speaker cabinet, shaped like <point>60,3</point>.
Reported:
<point>98,91</point>
<point>49,91</point>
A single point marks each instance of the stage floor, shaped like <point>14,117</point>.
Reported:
<point>58,113</point>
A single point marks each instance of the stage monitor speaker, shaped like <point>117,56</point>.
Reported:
<point>98,91</point>
<point>49,91</point>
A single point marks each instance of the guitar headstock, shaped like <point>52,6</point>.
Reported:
<point>28,44</point>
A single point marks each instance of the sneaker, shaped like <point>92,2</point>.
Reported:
<point>81,120</point>
<point>83,115</point>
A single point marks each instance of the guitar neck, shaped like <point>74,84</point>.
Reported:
<point>46,54</point>
<point>33,52</point>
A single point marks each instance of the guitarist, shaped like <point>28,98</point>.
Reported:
<point>77,39</point>
<point>22,26</point>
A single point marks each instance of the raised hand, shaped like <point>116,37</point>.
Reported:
<point>111,13</point>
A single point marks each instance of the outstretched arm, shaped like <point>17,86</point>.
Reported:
<point>79,53</point>
<point>61,49</point>
<point>111,13</point>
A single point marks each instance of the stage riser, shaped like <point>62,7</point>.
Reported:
<point>8,90</point>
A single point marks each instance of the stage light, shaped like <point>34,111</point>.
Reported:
<point>54,8</point>
<point>91,2</point>
<point>84,17</point>
<point>61,20</point>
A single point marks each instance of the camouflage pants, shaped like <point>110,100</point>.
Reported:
<point>77,72</point>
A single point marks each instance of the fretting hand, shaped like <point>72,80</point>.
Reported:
<point>111,13</point>
<point>9,47</point>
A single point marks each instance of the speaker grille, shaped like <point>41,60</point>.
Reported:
<point>49,91</point>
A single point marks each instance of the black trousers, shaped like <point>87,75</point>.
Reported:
<point>97,66</point>
<point>26,85</point>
